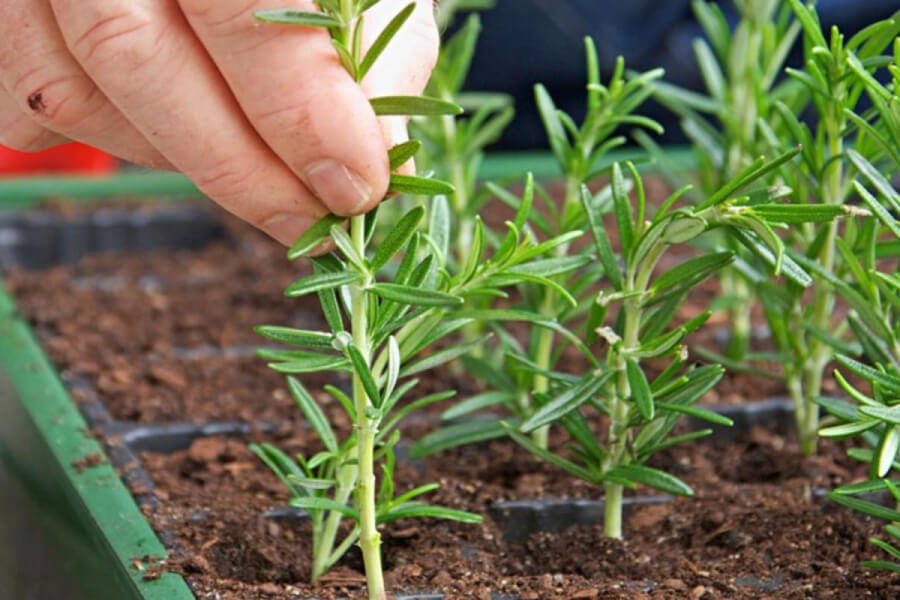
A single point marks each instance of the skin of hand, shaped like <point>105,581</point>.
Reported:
<point>263,118</point>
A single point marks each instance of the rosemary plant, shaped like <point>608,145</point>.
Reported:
<point>803,327</point>
<point>875,419</point>
<point>873,294</point>
<point>740,69</point>
<point>557,294</point>
<point>640,412</point>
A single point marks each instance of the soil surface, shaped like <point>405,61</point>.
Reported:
<point>756,529</point>
<point>168,337</point>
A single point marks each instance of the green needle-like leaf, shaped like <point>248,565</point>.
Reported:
<point>413,105</point>
<point>383,39</point>
<point>556,133</point>
<point>362,370</point>
<point>296,17</point>
<point>601,240</point>
<point>314,415</point>
<point>469,432</point>
<point>550,457</point>
<point>320,282</point>
<point>422,186</point>
<point>414,296</point>
<point>886,414</point>
<point>887,451</point>
<point>566,402</point>
<point>801,213</point>
<point>317,503</point>
<point>399,154</point>
<point>696,412</point>
<point>890,383</point>
<point>695,269</point>
<point>849,429</point>
<point>297,337</point>
<point>314,236</point>
<point>654,478</point>
<point>310,364</point>
<point>640,389</point>
<point>396,240</point>
<point>866,507</point>
<point>417,509</point>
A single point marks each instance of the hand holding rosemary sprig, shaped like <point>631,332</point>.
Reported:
<point>390,324</point>
<point>370,350</point>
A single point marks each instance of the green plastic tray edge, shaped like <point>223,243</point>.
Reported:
<point>97,494</point>
<point>16,193</point>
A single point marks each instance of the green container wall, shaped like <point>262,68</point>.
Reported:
<point>63,534</point>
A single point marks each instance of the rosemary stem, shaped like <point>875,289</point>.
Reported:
<point>618,423</point>
<point>324,549</point>
<point>543,356</point>
<point>366,428</point>
<point>637,280</point>
<point>457,177</point>
<point>823,304</point>
<point>544,350</point>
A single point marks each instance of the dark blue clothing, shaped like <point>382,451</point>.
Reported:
<point>525,41</point>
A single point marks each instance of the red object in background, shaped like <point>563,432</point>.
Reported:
<point>74,158</point>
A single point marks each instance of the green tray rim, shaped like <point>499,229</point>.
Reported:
<point>98,495</point>
<point>23,192</point>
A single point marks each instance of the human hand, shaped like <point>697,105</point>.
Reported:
<point>263,118</point>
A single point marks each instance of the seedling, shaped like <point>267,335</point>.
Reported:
<point>559,290</point>
<point>873,294</point>
<point>804,327</point>
<point>640,412</point>
<point>388,324</point>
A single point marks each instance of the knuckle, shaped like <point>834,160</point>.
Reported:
<point>60,103</point>
<point>221,18</point>
<point>127,38</point>
<point>226,183</point>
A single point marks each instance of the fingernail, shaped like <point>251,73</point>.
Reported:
<point>286,228</point>
<point>337,186</point>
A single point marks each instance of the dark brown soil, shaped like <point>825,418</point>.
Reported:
<point>754,529</point>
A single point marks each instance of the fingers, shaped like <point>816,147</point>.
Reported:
<point>143,56</point>
<point>48,86</point>
<point>299,99</point>
<point>19,132</point>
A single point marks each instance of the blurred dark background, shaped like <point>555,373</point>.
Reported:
<point>525,41</point>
